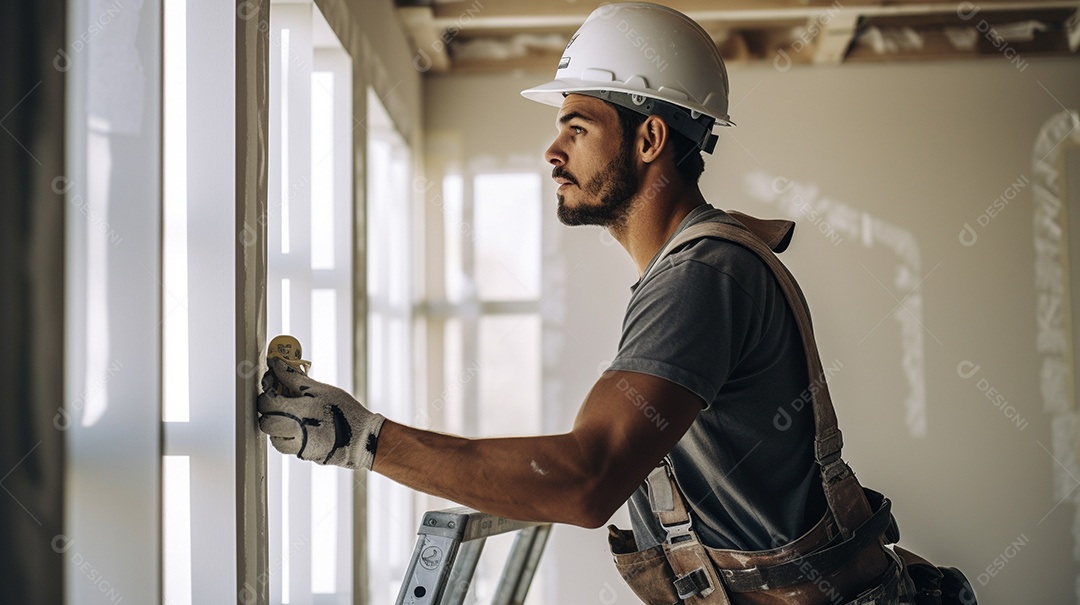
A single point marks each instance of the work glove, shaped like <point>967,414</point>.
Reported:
<point>316,421</point>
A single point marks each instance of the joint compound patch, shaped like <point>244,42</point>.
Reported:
<point>839,220</point>
<point>1052,339</point>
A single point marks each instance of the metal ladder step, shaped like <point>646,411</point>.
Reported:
<point>448,546</point>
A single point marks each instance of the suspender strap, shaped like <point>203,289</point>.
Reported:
<point>696,580</point>
<point>666,501</point>
<point>844,495</point>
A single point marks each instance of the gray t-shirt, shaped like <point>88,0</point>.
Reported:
<point>713,319</point>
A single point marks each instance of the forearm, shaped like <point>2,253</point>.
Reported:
<point>543,478</point>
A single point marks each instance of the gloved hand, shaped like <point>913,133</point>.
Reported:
<point>323,423</point>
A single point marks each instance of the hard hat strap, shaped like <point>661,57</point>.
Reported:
<point>697,129</point>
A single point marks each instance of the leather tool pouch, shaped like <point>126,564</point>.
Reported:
<point>933,585</point>
<point>647,572</point>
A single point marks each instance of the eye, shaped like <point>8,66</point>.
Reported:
<point>577,129</point>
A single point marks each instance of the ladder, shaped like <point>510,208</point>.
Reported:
<point>448,547</point>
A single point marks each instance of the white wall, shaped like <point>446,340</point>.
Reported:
<point>914,151</point>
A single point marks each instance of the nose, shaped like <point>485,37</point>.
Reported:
<point>555,154</point>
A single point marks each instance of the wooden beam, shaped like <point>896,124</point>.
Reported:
<point>540,62</point>
<point>1073,27</point>
<point>578,10</point>
<point>829,26</point>
<point>836,30</point>
<point>477,15</point>
<point>429,39</point>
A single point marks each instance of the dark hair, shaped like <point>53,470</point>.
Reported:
<point>688,161</point>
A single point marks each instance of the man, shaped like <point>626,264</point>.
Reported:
<point>709,344</point>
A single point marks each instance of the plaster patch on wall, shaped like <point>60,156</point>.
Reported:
<point>1052,303</point>
<point>836,221</point>
<point>1063,440</point>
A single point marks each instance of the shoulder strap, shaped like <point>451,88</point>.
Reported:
<point>845,496</point>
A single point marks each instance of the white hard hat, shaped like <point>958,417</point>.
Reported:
<point>631,52</point>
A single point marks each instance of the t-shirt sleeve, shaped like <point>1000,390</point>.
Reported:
<point>691,323</point>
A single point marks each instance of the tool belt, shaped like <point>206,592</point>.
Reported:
<point>841,560</point>
<point>821,566</point>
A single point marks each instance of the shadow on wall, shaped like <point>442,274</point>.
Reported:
<point>31,311</point>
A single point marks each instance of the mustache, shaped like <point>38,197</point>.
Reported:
<point>560,173</point>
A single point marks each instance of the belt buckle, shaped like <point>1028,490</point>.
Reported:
<point>680,532</point>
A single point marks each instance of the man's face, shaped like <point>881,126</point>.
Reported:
<point>597,174</point>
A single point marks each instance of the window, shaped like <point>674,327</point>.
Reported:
<point>309,295</point>
<point>392,514</point>
<point>309,285</point>
<point>198,409</point>
<point>160,337</point>
<point>482,320</point>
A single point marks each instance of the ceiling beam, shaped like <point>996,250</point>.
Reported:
<point>476,15</point>
<point>834,36</point>
<point>1073,27</point>
<point>805,31</point>
<point>428,38</point>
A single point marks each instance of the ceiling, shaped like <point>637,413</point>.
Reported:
<point>465,36</point>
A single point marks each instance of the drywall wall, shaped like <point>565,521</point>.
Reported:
<point>110,413</point>
<point>914,187</point>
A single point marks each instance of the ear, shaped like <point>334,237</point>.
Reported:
<point>654,133</point>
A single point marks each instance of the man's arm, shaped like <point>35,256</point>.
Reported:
<point>627,423</point>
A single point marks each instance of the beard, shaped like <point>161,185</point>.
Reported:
<point>614,187</point>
